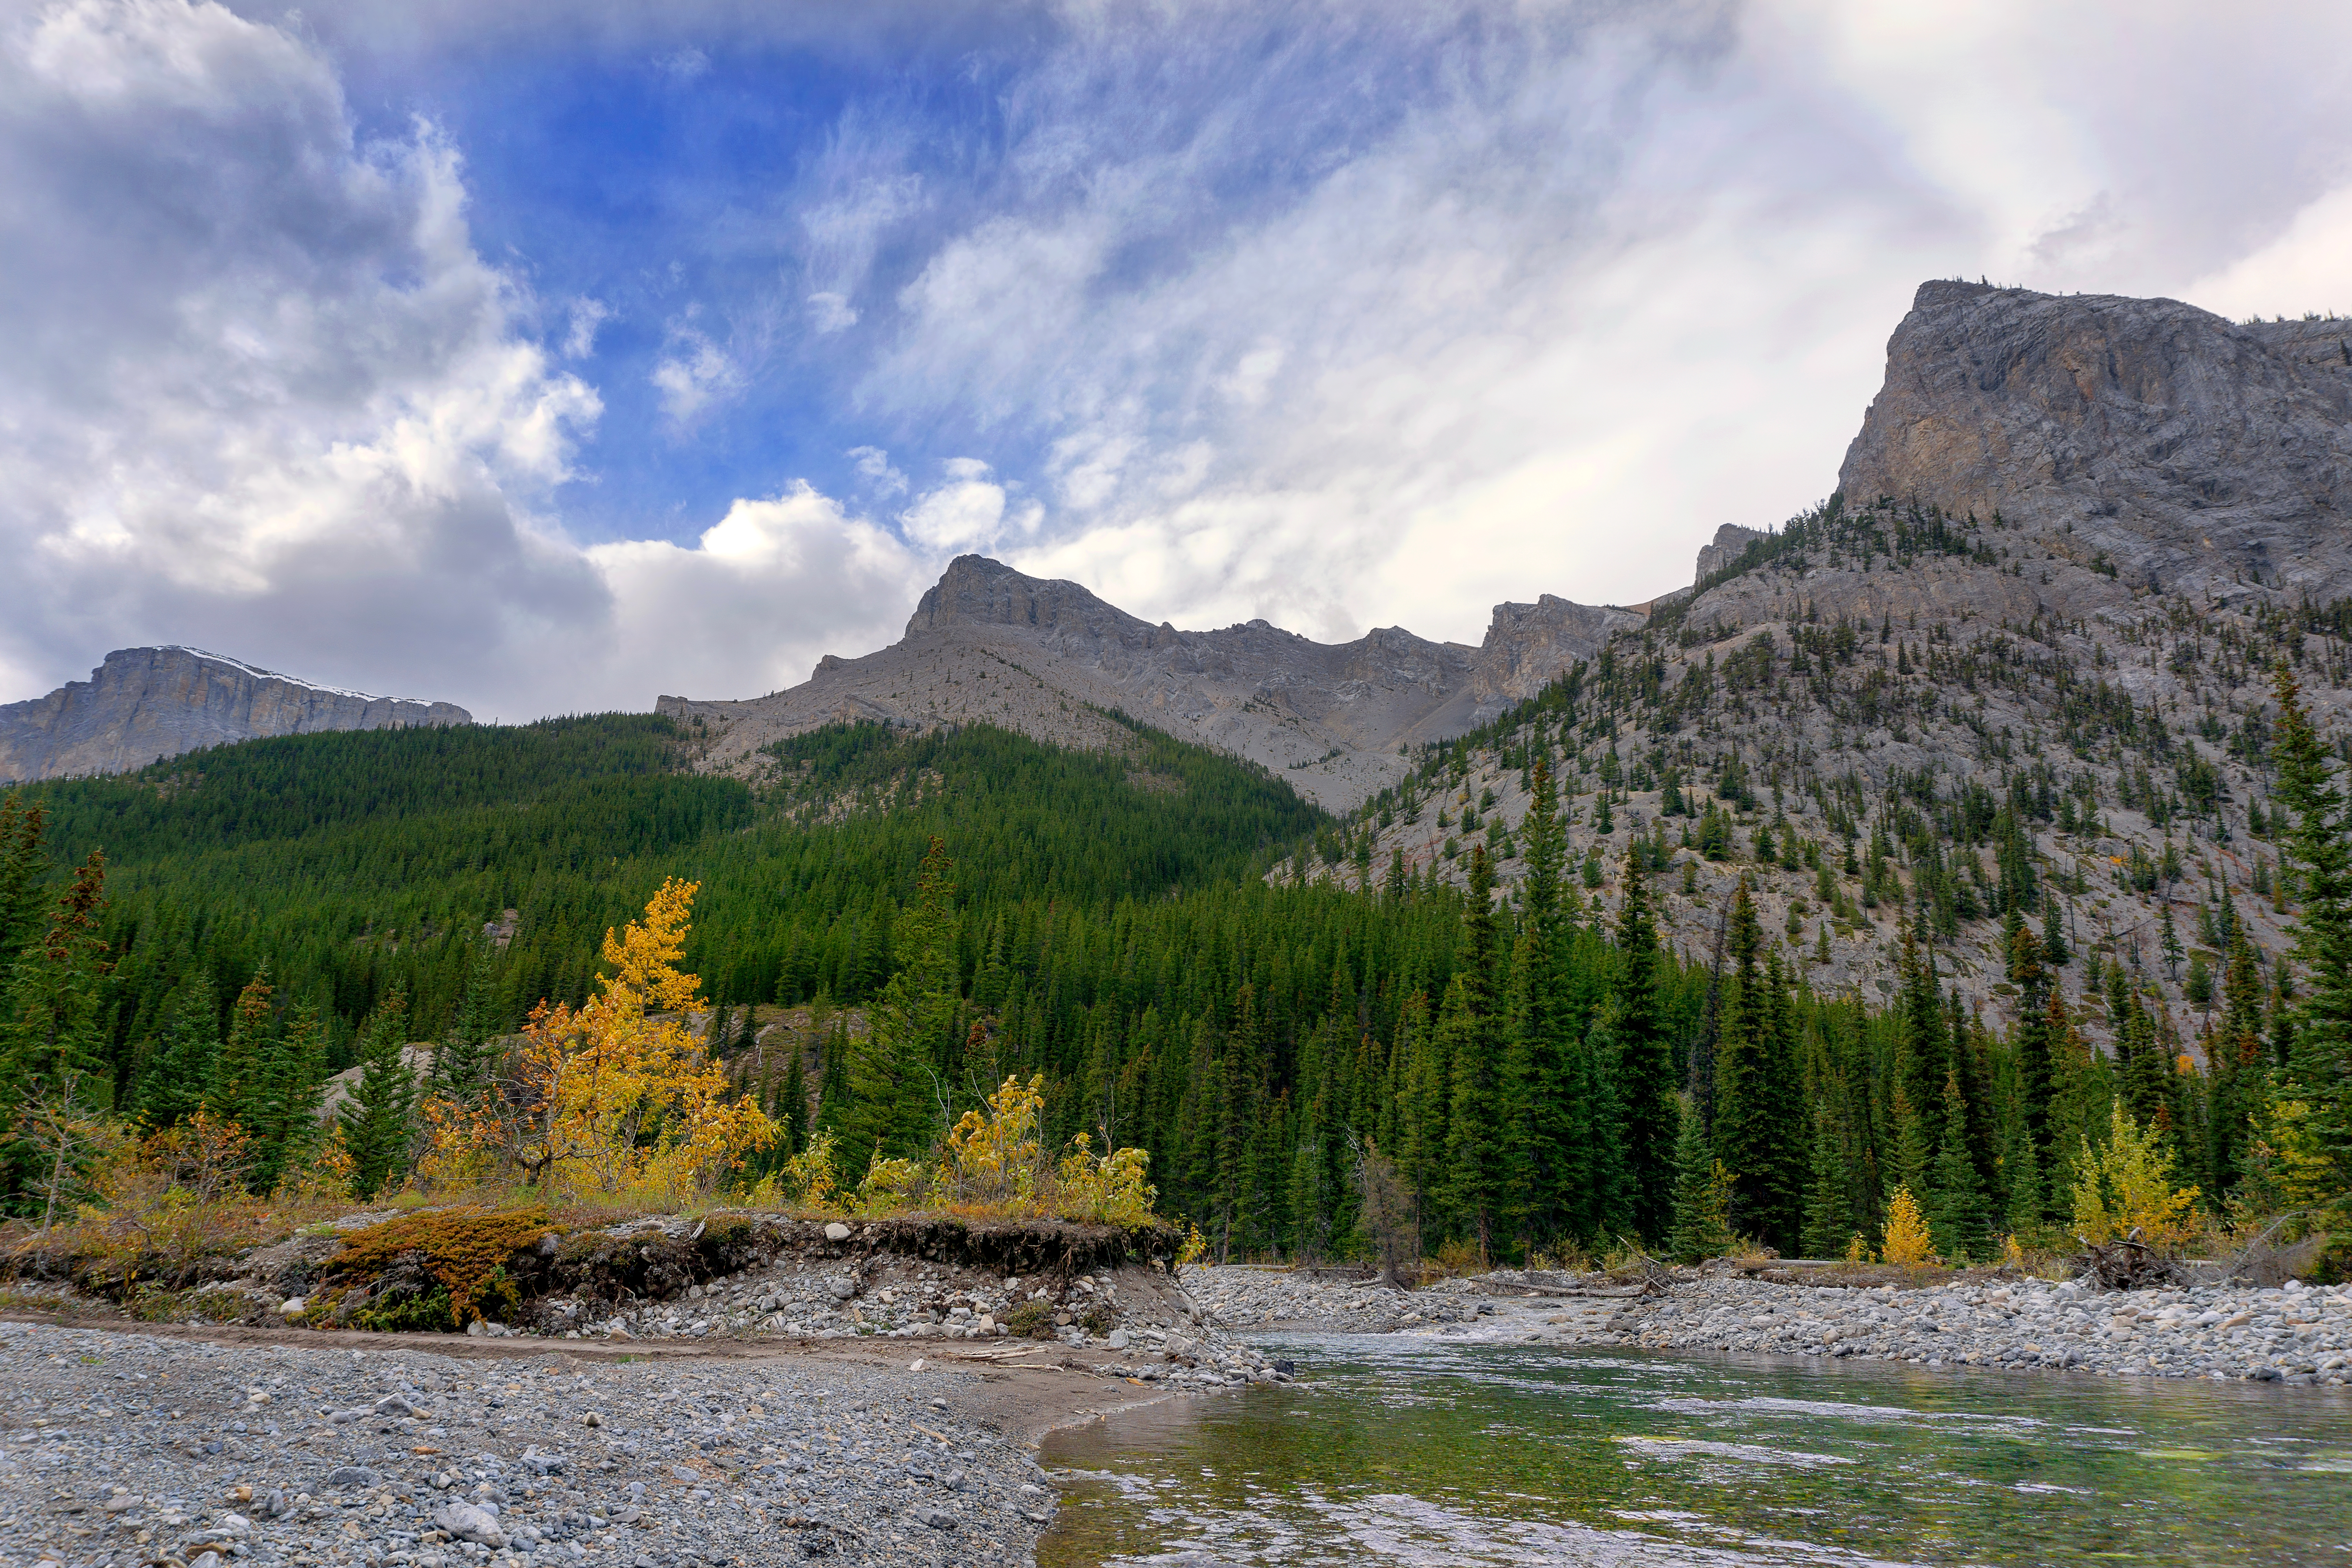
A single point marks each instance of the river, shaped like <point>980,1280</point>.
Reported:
<point>1411,1451</point>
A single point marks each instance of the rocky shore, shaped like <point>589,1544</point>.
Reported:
<point>285,1446</point>
<point>2294,1333</point>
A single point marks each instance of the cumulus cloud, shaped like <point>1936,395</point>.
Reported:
<point>969,510</point>
<point>1339,314</point>
<point>265,396</point>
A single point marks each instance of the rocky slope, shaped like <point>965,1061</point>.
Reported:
<point>989,644</point>
<point>2195,455</point>
<point>2011,605</point>
<point>145,703</point>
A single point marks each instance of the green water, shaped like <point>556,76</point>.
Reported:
<point>1419,1452</point>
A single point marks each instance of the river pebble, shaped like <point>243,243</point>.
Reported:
<point>2293,1334</point>
<point>119,1448</point>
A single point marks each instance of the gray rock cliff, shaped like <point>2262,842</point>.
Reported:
<point>2189,452</point>
<point>145,703</point>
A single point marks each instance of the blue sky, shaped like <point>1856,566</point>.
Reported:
<point>554,354</point>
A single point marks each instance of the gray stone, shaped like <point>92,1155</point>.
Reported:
<point>467,1521</point>
<point>346,1475</point>
<point>837,1231</point>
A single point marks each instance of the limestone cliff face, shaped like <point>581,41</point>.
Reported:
<point>2190,453</point>
<point>1528,645</point>
<point>144,703</point>
<point>1732,542</point>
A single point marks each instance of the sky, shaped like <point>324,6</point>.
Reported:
<point>550,357</point>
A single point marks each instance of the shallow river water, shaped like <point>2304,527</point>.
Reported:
<point>1420,1452</point>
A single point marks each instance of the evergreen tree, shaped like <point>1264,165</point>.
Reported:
<point>54,1028</point>
<point>462,1064</point>
<point>896,1073</point>
<point>1466,1033</point>
<point>2319,1068</point>
<point>2053,935</point>
<point>1701,1226</point>
<point>378,1122</point>
<point>24,871</point>
<point>236,1071</point>
<point>1828,1221</point>
<point>185,1056</point>
<point>281,1108</point>
<point>792,1115</point>
<point>1957,1216</point>
<point>1651,1117</point>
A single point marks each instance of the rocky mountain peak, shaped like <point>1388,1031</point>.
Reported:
<point>146,703</point>
<point>2187,451</point>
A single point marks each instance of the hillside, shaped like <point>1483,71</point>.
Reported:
<point>353,863</point>
<point>2020,658</point>
<point>144,704</point>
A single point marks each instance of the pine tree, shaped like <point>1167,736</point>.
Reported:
<point>24,868</point>
<point>55,1024</point>
<point>281,1108</point>
<point>795,1108</point>
<point>1958,1215</point>
<point>186,1054</point>
<point>2168,942</point>
<point>1828,1220</point>
<point>2319,1068</point>
<point>1651,1117</point>
<point>1701,1227</point>
<point>378,1122</point>
<point>2054,933</point>
<point>1466,1031</point>
<point>462,1064</point>
<point>897,1071</point>
<point>236,1071</point>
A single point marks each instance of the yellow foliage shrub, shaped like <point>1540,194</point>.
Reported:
<point>1905,1242</point>
<point>996,1158</point>
<point>1856,1251</point>
<point>889,1185</point>
<point>1107,1189</point>
<point>812,1173</point>
<point>461,1249</point>
<point>2127,1186</point>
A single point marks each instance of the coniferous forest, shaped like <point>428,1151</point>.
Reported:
<point>1538,1071</point>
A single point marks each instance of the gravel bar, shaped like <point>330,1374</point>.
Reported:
<point>121,1449</point>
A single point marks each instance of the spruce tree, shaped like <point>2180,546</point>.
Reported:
<point>1747,1136</point>
<point>236,1071</point>
<point>1957,1213</point>
<point>462,1063</point>
<point>897,1071</point>
<point>186,1054</point>
<point>1701,1228</point>
<point>2319,1063</point>
<point>1828,1220</point>
<point>793,1113</point>
<point>281,1108</point>
<point>1651,1117</point>
<point>53,1015</point>
<point>378,1122</point>
<point>24,871</point>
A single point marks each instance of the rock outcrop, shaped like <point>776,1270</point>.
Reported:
<point>992,645</point>
<point>147,703</point>
<point>2189,452</point>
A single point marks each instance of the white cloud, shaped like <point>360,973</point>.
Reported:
<point>264,396</point>
<point>970,512</point>
<point>2302,269</point>
<point>830,313</point>
<point>585,317</point>
<point>764,592</point>
<point>695,374</point>
<point>873,465</point>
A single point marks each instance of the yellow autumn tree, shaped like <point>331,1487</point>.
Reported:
<point>619,1095</point>
<point>1905,1240</point>
<point>996,1158</point>
<point>2127,1186</point>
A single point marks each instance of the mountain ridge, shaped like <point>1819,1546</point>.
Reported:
<point>144,704</point>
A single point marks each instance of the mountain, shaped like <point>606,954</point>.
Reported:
<point>1046,658</point>
<point>147,703</point>
<point>2194,454</point>
<point>2018,661</point>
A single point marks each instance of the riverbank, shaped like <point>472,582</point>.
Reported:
<point>2293,1334</point>
<point>123,1445</point>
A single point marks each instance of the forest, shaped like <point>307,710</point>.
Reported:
<point>1538,1073</point>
